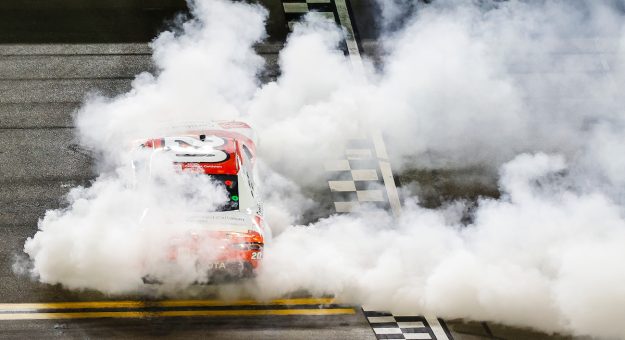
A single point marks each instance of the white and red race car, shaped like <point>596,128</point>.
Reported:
<point>225,151</point>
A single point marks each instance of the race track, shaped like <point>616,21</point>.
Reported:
<point>45,77</point>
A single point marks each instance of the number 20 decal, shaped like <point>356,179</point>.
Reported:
<point>257,255</point>
<point>193,150</point>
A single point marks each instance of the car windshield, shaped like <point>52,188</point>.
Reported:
<point>231,185</point>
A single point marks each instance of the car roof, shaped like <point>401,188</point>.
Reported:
<point>192,146</point>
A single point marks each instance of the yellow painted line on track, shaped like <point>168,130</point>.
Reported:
<point>178,313</point>
<point>283,302</point>
<point>165,303</point>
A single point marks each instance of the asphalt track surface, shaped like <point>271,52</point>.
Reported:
<point>51,55</point>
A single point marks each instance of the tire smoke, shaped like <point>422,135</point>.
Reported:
<point>527,89</point>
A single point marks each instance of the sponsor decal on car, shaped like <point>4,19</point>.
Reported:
<point>217,265</point>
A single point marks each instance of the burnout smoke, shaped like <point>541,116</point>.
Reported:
<point>113,233</point>
<point>121,227</point>
<point>525,89</point>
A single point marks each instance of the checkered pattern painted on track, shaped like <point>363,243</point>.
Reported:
<point>386,325</point>
<point>364,176</point>
<point>360,178</point>
<point>295,9</point>
<point>356,179</point>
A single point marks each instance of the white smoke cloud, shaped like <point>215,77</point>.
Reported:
<point>206,71</point>
<point>534,258</point>
<point>116,231</point>
<point>454,90</point>
<point>517,263</point>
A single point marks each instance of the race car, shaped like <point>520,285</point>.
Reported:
<point>236,231</point>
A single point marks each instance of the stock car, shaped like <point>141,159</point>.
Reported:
<point>225,151</point>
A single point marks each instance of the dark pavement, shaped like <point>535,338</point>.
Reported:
<point>54,52</point>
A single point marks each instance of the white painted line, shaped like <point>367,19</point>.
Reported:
<point>391,189</point>
<point>364,175</point>
<point>354,54</point>
<point>342,185</point>
<point>419,336</point>
<point>370,196</point>
<point>295,7</point>
<point>378,145</point>
<point>346,207</point>
<point>380,319</point>
<point>356,60</point>
<point>412,324</point>
<point>385,168</point>
<point>436,327</point>
<point>337,165</point>
<point>387,173</point>
<point>356,154</point>
<point>350,39</point>
<point>386,330</point>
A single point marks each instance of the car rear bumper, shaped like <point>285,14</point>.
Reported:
<point>218,272</point>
